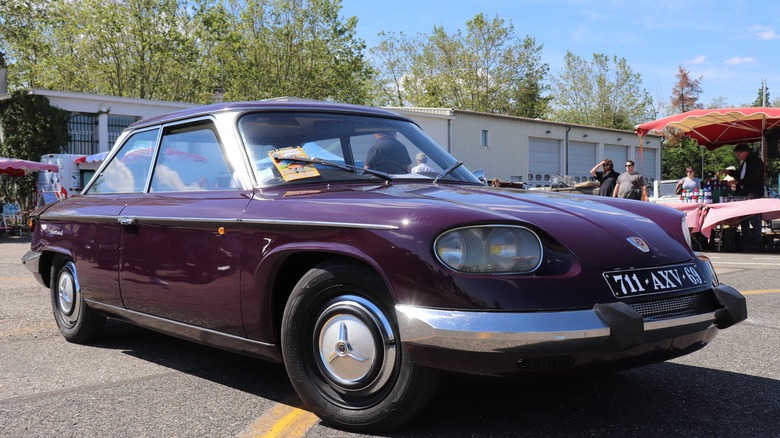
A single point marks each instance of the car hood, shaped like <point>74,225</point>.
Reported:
<point>597,230</point>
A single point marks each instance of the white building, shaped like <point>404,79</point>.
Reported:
<point>96,121</point>
<point>505,147</point>
<point>533,150</point>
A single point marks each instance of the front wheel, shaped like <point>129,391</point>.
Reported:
<point>342,351</point>
<point>76,321</point>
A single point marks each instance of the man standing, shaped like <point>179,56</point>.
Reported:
<point>630,183</point>
<point>607,177</point>
<point>750,183</point>
<point>388,154</point>
<point>422,164</point>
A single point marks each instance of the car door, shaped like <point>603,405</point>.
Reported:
<point>93,216</point>
<point>180,241</point>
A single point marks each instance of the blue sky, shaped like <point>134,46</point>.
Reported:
<point>733,45</point>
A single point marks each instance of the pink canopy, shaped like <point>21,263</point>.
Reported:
<point>17,167</point>
<point>704,218</point>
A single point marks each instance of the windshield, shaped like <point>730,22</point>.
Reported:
<point>294,148</point>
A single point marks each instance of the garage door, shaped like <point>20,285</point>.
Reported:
<point>544,161</point>
<point>582,158</point>
<point>618,155</point>
<point>647,168</point>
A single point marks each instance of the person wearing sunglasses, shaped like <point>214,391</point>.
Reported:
<point>630,183</point>
<point>607,177</point>
<point>689,182</point>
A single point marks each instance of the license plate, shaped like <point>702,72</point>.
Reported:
<point>630,283</point>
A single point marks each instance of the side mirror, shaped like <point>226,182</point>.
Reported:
<point>480,174</point>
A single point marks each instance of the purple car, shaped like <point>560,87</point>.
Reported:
<point>303,233</point>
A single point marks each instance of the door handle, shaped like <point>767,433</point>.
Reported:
<point>126,221</point>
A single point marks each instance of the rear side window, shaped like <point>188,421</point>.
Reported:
<point>191,158</point>
<point>128,171</point>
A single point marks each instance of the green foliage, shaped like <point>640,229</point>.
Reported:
<point>271,48</point>
<point>182,50</point>
<point>688,153</point>
<point>487,69</point>
<point>761,100</point>
<point>603,92</point>
<point>29,127</point>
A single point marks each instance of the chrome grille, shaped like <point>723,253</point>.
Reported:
<point>677,307</point>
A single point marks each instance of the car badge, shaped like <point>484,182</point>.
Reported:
<point>639,243</point>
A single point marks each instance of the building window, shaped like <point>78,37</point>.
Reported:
<point>83,137</point>
<point>117,124</point>
<point>485,138</point>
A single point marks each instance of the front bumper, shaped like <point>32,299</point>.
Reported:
<point>607,332</point>
<point>32,261</point>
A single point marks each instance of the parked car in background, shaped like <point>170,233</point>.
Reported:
<point>296,233</point>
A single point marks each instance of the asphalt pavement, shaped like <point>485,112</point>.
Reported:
<point>139,383</point>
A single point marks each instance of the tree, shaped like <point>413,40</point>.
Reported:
<point>487,69</point>
<point>29,127</point>
<point>181,50</point>
<point>763,97</point>
<point>395,54</point>
<point>272,48</point>
<point>604,92</point>
<point>718,102</point>
<point>685,93</point>
<point>688,153</point>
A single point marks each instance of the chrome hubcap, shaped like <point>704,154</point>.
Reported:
<point>355,343</point>
<point>66,294</point>
<point>67,290</point>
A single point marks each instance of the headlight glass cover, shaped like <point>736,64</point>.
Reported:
<point>490,250</point>
<point>686,232</point>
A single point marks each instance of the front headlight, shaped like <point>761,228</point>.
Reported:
<point>490,249</point>
<point>686,232</point>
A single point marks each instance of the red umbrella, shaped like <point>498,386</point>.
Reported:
<point>713,128</point>
<point>17,167</point>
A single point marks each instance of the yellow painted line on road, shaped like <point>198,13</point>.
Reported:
<point>760,291</point>
<point>22,331</point>
<point>284,420</point>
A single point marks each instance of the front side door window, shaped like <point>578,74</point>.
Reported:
<point>128,171</point>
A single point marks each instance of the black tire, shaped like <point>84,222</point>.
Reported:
<point>77,322</point>
<point>343,354</point>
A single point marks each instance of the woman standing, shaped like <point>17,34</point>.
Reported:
<point>690,182</point>
<point>630,183</point>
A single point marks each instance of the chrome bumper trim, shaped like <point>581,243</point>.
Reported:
<point>31,261</point>
<point>557,331</point>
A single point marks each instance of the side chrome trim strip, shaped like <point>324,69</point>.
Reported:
<point>200,220</point>
<point>193,333</point>
<point>320,224</point>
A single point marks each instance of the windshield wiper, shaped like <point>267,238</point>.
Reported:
<point>346,167</point>
<point>447,171</point>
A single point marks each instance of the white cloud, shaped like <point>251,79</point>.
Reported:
<point>700,59</point>
<point>740,60</point>
<point>765,32</point>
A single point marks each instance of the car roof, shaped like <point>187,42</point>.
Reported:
<point>267,105</point>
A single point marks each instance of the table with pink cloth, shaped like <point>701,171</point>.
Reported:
<point>703,218</point>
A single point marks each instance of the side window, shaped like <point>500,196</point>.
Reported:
<point>191,158</point>
<point>128,170</point>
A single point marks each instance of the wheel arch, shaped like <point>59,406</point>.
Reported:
<point>51,259</point>
<point>295,265</point>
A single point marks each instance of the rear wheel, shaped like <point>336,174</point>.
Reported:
<point>343,354</point>
<point>76,321</point>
